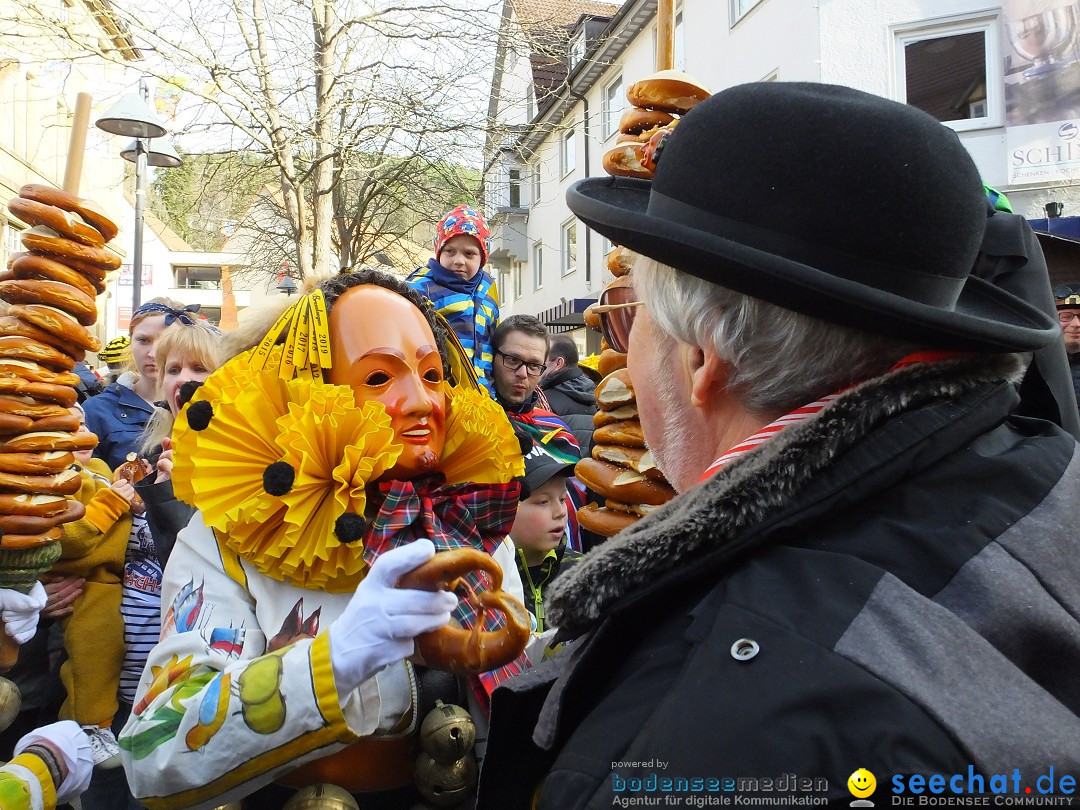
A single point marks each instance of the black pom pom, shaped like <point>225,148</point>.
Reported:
<point>200,414</point>
<point>278,478</point>
<point>526,491</point>
<point>525,441</point>
<point>187,391</point>
<point>349,527</point>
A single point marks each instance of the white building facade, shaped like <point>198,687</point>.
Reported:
<point>968,62</point>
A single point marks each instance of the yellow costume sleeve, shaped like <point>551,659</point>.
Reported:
<point>25,784</point>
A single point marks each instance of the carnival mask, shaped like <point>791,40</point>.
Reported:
<point>384,349</point>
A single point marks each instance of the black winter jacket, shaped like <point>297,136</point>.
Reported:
<point>893,584</point>
<point>572,395</point>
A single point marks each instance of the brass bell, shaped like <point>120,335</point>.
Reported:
<point>321,797</point>
<point>10,703</point>
<point>447,733</point>
<point>445,785</point>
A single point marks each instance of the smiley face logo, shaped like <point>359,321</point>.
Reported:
<point>861,783</point>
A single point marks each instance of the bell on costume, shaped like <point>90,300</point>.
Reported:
<point>10,703</point>
<point>322,797</point>
<point>447,733</point>
<point>445,785</point>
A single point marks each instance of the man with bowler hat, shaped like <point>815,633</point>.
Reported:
<point>871,562</point>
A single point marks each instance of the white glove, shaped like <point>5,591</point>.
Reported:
<point>19,611</point>
<point>68,740</point>
<point>378,625</point>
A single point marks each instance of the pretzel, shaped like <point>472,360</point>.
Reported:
<point>86,209</point>
<point>32,372</point>
<point>43,441</point>
<point>66,223</point>
<point>24,348</point>
<point>458,649</point>
<point>40,239</point>
<point>62,325</point>
<point>10,326</point>
<point>51,461</point>
<point>133,470</point>
<point>51,293</point>
<point>67,482</point>
<point>27,406</point>
<point>31,266</point>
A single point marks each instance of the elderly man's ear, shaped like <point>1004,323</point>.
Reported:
<point>708,375</point>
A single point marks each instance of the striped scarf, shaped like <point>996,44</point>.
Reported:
<point>451,516</point>
<point>814,408</point>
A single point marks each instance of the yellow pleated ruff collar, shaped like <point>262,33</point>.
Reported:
<point>250,414</point>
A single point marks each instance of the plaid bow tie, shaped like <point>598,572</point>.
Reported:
<point>452,516</point>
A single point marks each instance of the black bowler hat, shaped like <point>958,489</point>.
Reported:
<point>826,201</point>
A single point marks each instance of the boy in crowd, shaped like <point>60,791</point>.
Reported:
<point>457,284</point>
<point>540,532</point>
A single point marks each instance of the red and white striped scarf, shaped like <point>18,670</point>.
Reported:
<point>806,411</point>
<point>770,430</point>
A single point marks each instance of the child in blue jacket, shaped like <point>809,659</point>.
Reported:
<point>461,290</point>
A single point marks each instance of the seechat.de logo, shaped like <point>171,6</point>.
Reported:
<point>862,785</point>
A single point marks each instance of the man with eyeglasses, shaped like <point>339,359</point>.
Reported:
<point>1067,298</point>
<point>871,560</point>
<point>520,348</point>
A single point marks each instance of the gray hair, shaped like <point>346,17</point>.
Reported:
<point>779,358</point>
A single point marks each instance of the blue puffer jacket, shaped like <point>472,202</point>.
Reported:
<point>470,307</point>
<point>117,416</point>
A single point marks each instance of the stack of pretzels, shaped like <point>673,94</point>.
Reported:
<point>50,290</point>
<point>657,102</point>
<point>621,470</point>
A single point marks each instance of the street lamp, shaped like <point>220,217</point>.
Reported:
<point>286,286</point>
<point>132,117</point>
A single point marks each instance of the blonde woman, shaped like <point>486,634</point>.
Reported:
<point>185,354</point>
<point>118,415</point>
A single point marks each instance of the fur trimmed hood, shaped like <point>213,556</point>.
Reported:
<point>718,514</point>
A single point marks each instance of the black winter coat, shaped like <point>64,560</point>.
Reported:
<point>892,585</point>
<point>572,395</point>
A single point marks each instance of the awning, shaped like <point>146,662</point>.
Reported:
<point>566,316</point>
<point>1068,227</point>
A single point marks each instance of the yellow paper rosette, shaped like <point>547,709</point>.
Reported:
<point>480,443</point>
<point>219,469</point>
<point>336,449</point>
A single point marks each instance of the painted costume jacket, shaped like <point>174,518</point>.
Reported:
<point>892,584</point>
<point>470,307</point>
<point>240,689</point>
<point>26,784</point>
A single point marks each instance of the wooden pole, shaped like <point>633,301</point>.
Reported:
<point>77,144</point>
<point>665,35</point>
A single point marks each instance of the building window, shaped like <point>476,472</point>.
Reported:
<point>515,188</point>
<point>614,104</point>
<point>577,49</point>
<point>569,247</point>
<point>952,70</point>
<point>740,8</point>
<point>535,174</point>
<point>568,154</point>
<point>12,242</point>
<point>680,43</point>
<point>197,278</point>
<point>530,101</point>
<point>538,265</point>
<point>517,280</point>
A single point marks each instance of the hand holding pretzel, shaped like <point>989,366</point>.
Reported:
<point>379,624</point>
<point>458,649</point>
